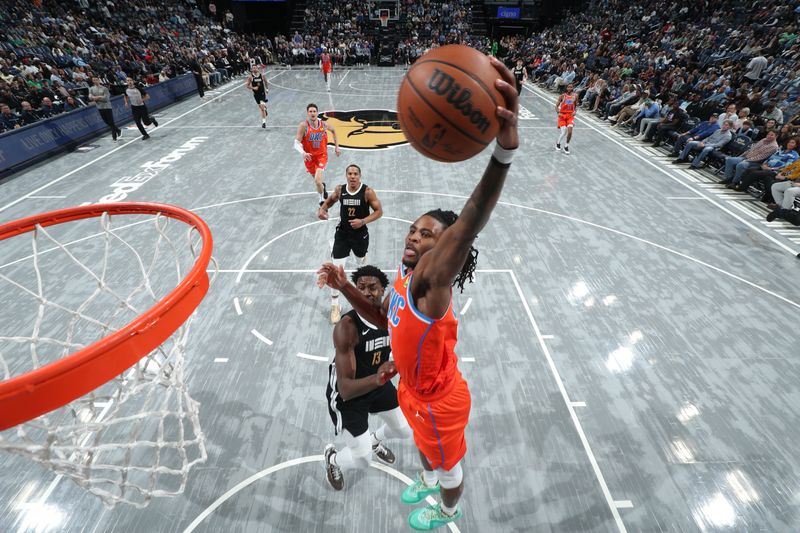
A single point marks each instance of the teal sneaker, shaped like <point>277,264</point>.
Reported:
<point>431,517</point>
<point>417,491</point>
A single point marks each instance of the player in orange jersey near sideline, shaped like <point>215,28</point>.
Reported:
<point>566,117</point>
<point>312,141</point>
<point>326,66</point>
<point>423,325</point>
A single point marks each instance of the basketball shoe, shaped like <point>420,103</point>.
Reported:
<point>431,517</point>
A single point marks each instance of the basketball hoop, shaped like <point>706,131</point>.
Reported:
<point>96,391</point>
<point>383,16</point>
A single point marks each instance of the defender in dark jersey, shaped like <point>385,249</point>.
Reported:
<point>359,384</point>
<point>258,84</point>
<point>355,200</point>
<point>520,75</point>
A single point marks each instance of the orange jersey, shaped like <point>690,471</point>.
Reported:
<point>567,106</point>
<point>423,348</point>
<point>326,62</point>
<point>315,141</point>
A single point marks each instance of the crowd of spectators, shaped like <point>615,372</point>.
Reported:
<point>713,81</point>
<point>50,50</point>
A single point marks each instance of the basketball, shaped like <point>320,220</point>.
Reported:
<point>447,102</point>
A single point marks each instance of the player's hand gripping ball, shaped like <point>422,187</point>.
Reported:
<point>447,103</point>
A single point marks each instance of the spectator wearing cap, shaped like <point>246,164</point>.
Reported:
<point>698,133</point>
<point>715,141</point>
<point>759,152</point>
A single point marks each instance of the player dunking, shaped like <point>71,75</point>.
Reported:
<point>355,200</point>
<point>423,326</point>
<point>312,141</point>
<point>566,117</point>
<point>358,385</point>
<point>520,75</point>
<point>326,66</point>
<point>258,84</point>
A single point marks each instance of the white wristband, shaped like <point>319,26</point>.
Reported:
<point>502,155</point>
<point>299,147</point>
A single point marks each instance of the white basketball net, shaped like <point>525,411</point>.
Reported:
<point>137,436</point>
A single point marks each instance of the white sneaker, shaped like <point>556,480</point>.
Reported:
<point>566,149</point>
<point>336,314</point>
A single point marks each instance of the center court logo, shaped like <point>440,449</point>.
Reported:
<point>128,184</point>
<point>365,129</point>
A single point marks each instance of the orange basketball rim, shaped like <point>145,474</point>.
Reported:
<point>49,387</point>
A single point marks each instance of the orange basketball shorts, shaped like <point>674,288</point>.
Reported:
<point>439,425</point>
<point>317,161</point>
<point>565,120</point>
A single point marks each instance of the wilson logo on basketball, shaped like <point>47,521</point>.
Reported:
<point>365,129</point>
<point>459,97</point>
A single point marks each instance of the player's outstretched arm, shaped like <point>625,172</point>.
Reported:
<point>440,266</point>
<point>334,277</point>
<point>249,83</point>
<point>298,141</point>
<point>345,338</point>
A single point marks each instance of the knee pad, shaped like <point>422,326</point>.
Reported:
<point>361,261</point>
<point>450,479</point>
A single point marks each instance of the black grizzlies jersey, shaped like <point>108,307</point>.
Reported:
<point>372,348</point>
<point>352,206</point>
<point>258,83</point>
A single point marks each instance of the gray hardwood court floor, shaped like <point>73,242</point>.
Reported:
<point>630,341</point>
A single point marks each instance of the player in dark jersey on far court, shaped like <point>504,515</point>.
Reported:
<point>358,385</point>
<point>257,83</point>
<point>355,199</point>
<point>327,67</point>
<point>312,141</point>
<point>520,75</point>
<point>423,326</point>
<point>566,118</point>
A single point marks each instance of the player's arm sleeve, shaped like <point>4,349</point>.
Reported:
<point>299,137</point>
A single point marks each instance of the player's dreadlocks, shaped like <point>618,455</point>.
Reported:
<point>373,271</point>
<point>467,273</point>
